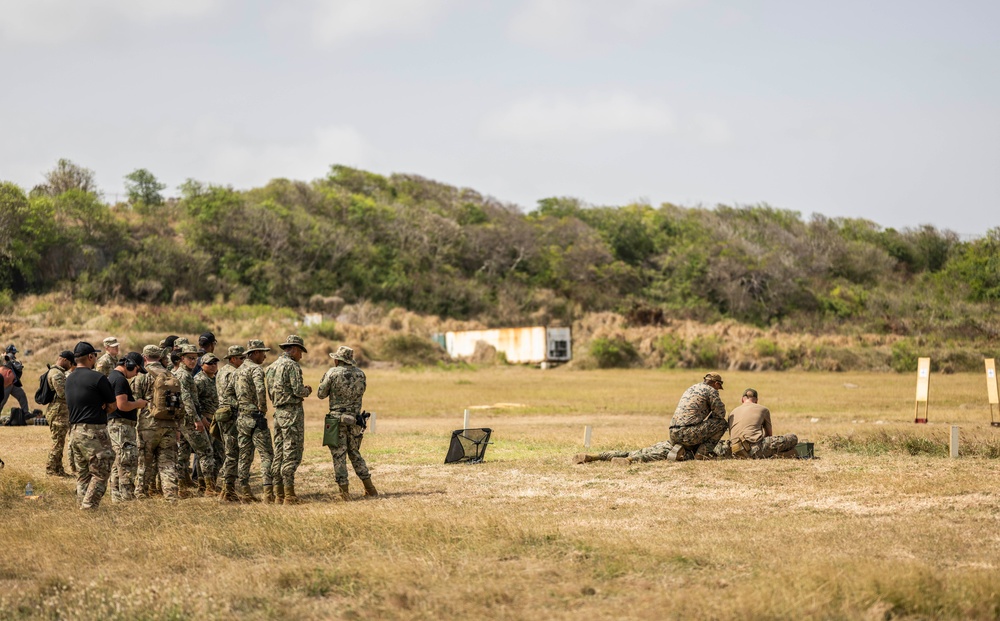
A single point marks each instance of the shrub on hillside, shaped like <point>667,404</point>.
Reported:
<point>411,350</point>
<point>613,353</point>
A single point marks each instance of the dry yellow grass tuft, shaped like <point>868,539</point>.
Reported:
<point>854,534</point>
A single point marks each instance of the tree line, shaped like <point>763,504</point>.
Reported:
<point>403,240</point>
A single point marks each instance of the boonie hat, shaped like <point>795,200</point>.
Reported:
<point>256,345</point>
<point>181,341</point>
<point>713,377</point>
<point>209,358</point>
<point>294,339</point>
<point>344,354</point>
<point>83,348</point>
<point>236,351</point>
<point>152,351</point>
<point>111,342</point>
<point>187,349</point>
<point>136,359</point>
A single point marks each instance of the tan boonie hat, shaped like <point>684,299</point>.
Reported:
<point>713,377</point>
<point>255,345</point>
<point>344,354</point>
<point>187,349</point>
<point>111,342</point>
<point>209,358</point>
<point>236,351</point>
<point>153,352</point>
<point>294,339</point>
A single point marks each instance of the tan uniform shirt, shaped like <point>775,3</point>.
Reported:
<point>750,421</point>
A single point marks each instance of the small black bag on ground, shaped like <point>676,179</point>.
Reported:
<point>468,445</point>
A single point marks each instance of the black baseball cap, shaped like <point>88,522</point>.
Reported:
<point>136,357</point>
<point>206,339</point>
<point>83,348</point>
<point>67,354</point>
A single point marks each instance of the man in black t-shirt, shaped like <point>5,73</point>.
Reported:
<point>122,427</point>
<point>89,397</point>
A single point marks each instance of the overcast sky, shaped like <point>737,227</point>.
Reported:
<point>882,109</point>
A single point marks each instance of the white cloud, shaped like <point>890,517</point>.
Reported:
<point>248,164</point>
<point>561,24</point>
<point>58,21</point>
<point>338,22</point>
<point>712,129</point>
<point>539,118</point>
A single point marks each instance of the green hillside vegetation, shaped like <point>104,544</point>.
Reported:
<point>402,241</point>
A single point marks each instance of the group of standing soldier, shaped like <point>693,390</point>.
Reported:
<point>135,421</point>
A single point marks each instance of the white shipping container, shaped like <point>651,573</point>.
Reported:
<point>520,345</point>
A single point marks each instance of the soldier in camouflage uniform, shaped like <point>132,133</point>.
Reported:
<point>225,420</point>
<point>251,422</point>
<point>109,360</point>
<point>208,404</point>
<point>345,385</point>
<point>657,452</point>
<point>89,397</point>
<point>284,383</point>
<point>699,421</point>
<point>193,427</point>
<point>751,435</point>
<point>57,413</point>
<point>207,401</point>
<point>157,437</point>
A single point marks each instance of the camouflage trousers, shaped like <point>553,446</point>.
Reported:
<point>92,449</point>
<point>701,437</point>
<point>19,395</point>
<point>159,456</point>
<point>231,451</point>
<point>657,452</point>
<point>351,448</point>
<point>125,442</point>
<point>768,447</point>
<point>289,438</point>
<point>198,442</point>
<point>218,447</point>
<point>248,439</point>
<point>59,428</point>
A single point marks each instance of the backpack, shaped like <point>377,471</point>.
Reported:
<point>166,403</point>
<point>44,395</point>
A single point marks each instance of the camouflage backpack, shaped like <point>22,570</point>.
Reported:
<point>166,403</point>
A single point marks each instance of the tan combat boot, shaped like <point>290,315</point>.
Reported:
<point>290,497</point>
<point>583,458</point>
<point>279,493</point>
<point>268,494</point>
<point>345,493</point>
<point>211,487</point>
<point>621,461</point>
<point>370,491</point>
<point>244,494</point>
<point>677,453</point>
<point>228,493</point>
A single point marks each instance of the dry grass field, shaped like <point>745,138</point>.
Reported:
<point>883,525</point>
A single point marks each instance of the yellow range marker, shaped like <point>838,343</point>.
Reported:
<point>991,389</point>
<point>923,385</point>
